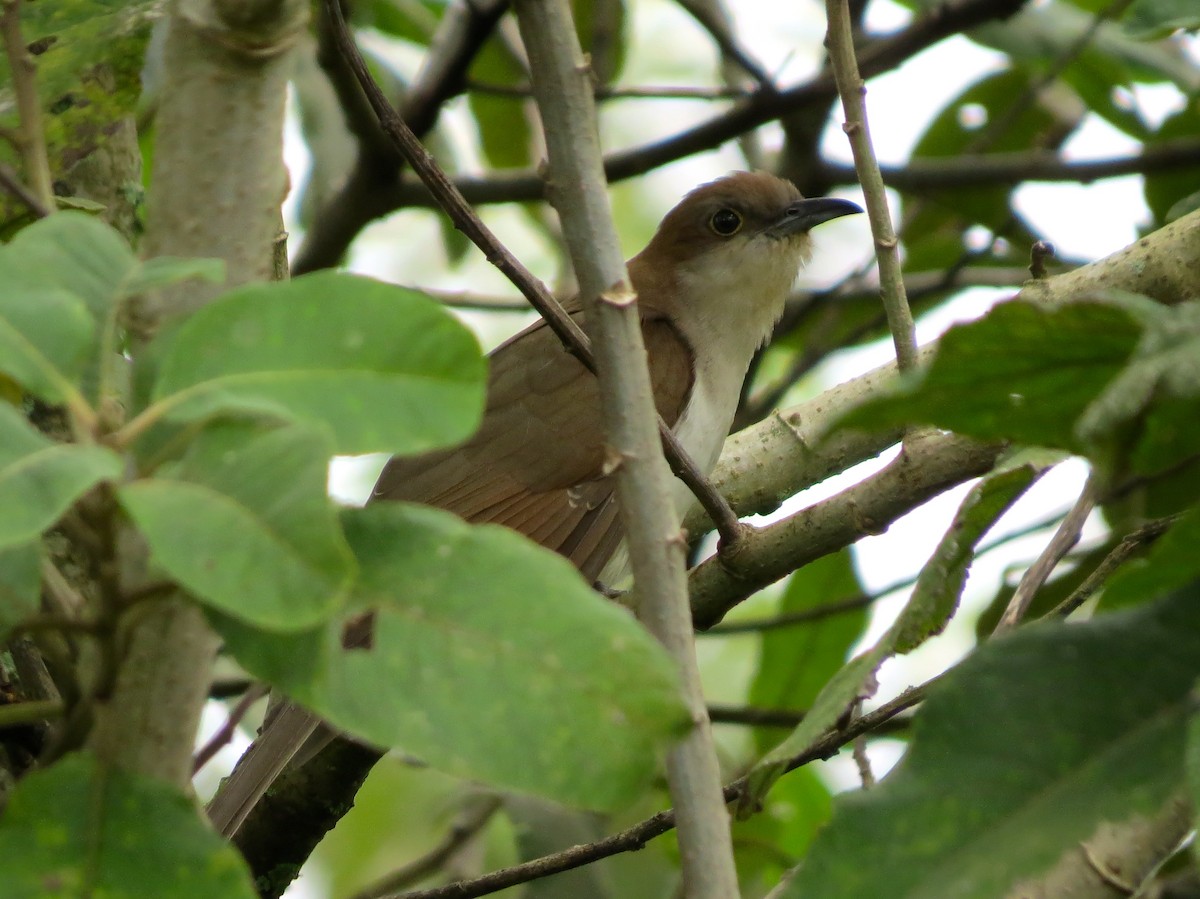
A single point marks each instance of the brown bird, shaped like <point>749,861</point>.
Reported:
<point>711,285</point>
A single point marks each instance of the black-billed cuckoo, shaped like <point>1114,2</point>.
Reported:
<point>711,284</point>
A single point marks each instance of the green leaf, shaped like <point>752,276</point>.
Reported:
<point>1149,409</point>
<point>1044,33</point>
<point>939,586</point>
<point>1024,372</point>
<point>504,130</point>
<point>245,525</point>
<point>386,369</point>
<point>1004,774</point>
<point>796,662</point>
<point>1165,190</point>
<point>771,841</point>
<point>934,599</point>
<point>489,658</point>
<point>40,479</point>
<point>45,338</point>
<point>163,271</point>
<point>1171,564</point>
<point>20,583</point>
<point>1160,18</point>
<point>76,830</point>
<point>959,129</point>
<point>77,253</point>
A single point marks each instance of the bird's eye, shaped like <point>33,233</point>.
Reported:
<point>725,222</point>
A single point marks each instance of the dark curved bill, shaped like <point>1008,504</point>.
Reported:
<point>807,214</point>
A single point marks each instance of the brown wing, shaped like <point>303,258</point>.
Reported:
<point>536,463</point>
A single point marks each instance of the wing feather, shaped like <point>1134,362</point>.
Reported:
<point>537,462</point>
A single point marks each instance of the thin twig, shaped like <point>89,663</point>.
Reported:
<point>726,42</point>
<point>461,833</point>
<point>603,92</point>
<point>224,736</point>
<point>11,183</point>
<point>20,714</point>
<point>469,223</point>
<point>863,600</point>
<point>368,195</point>
<point>32,138</point>
<point>915,176</point>
<point>1060,544</point>
<point>840,43</point>
<point>638,835</point>
<point>1117,557</point>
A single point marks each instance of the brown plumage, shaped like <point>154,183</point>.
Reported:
<point>536,464</point>
<point>710,284</point>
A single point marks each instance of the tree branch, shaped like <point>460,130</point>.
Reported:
<point>655,545</point>
<point>853,90</point>
<point>367,199</point>
<point>221,114</point>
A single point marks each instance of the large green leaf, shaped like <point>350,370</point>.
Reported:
<point>20,583</point>
<point>1023,372</point>
<point>1150,407</point>
<point>77,253</point>
<point>1164,190</point>
<point>65,278</point>
<point>1160,18</point>
<point>489,658</point>
<point>384,368</point>
<point>245,524</point>
<point>45,338</point>
<point>40,479</point>
<point>1017,756</point>
<point>75,830</point>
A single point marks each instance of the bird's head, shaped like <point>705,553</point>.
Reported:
<point>737,241</point>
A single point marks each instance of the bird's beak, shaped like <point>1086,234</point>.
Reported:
<point>807,214</point>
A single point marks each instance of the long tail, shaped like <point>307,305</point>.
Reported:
<point>282,738</point>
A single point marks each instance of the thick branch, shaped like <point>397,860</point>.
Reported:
<point>218,182</point>
<point>927,465</point>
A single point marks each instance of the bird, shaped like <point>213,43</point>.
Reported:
<point>711,285</point>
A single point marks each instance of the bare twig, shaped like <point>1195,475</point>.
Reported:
<point>369,196</point>
<point>21,714</point>
<point>915,176</point>
<point>656,551</point>
<point>1060,544</point>
<point>726,41</point>
<point>603,92</point>
<point>31,138</point>
<point>853,89</point>
<point>638,835</point>
<point>854,603</point>
<point>1120,553</point>
<point>11,183</point>
<point>473,820</point>
<point>225,734</point>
